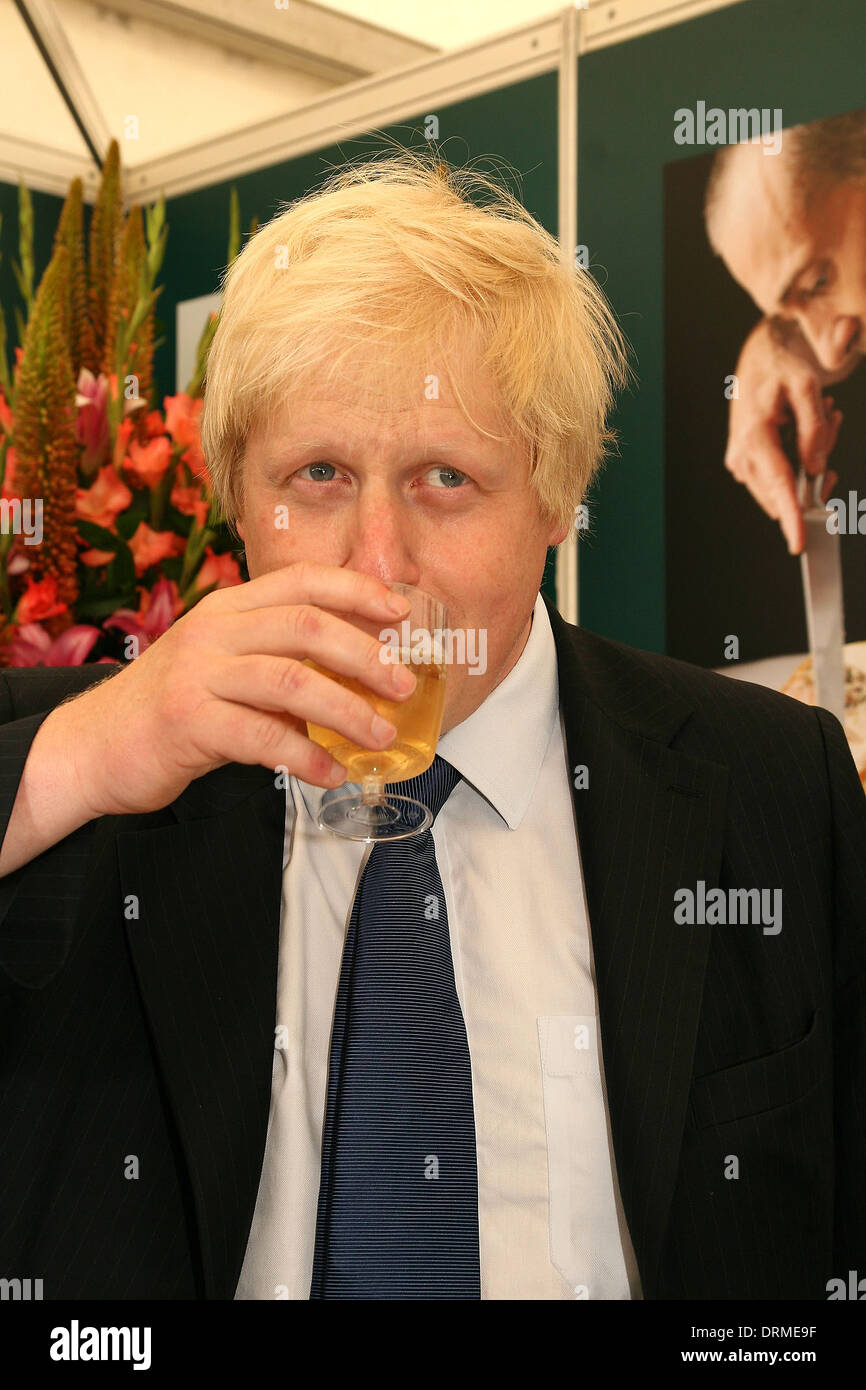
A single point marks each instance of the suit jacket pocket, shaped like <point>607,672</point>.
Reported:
<point>762,1083</point>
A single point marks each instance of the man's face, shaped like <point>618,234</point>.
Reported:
<point>379,479</point>
<point>801,262</point>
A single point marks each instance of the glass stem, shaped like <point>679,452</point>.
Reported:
<point>373,791</point>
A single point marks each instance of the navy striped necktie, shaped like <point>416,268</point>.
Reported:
<point>398,1196</point>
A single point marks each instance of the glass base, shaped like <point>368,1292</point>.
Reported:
<point>393,818</point>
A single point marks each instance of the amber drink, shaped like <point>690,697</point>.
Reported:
<point>417,721</point>
<point>374,813</point>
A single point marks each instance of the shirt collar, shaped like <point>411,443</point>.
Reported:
<point>499,749</point>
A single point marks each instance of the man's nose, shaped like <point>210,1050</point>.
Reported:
<point>380,541</point>
<point>832,340</point>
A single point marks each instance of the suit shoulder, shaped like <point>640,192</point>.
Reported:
<point>714,695</point>
<point>32,689</point>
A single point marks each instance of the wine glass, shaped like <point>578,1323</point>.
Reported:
<point>372,814</point>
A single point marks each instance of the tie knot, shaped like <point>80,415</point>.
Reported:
<point>432,787</point>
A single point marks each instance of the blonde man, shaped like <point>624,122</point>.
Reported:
<point>598,1060</point>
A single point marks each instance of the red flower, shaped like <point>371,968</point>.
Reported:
<point>147,462</point>
<point>154,423</point>
<point>182,417</point>
<point>182,420</point>
<point>149,547</point>
<point>224,569</point>
<point>190,501</point>
<point>7,419</point>
<point>124,430</point>
<point>104,499</point>
<point>38,601</point>
<point>96,557</point>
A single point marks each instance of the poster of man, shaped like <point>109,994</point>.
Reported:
<point>765,315</point>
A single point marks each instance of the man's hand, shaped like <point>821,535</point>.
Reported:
<point>778,379</point>
<point>226,684</point>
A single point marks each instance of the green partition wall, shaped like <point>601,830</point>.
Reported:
<point>46,214</point>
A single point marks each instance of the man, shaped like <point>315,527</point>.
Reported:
<point>791,229</point>
<point>244,1058</point>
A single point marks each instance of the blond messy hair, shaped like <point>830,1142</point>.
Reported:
<point>392,251</point>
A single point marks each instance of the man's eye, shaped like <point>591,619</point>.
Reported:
<point>316,469</point>
<point>326,472</point>
<point>450,476</point>
<point>819,284</point>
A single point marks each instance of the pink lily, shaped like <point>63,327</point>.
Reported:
<point>155,616</point>
<point>31,646</point>
<point>92,424</point>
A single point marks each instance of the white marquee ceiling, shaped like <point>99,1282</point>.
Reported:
<point>168,76</point>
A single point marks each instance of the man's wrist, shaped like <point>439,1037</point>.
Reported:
<point>78,741</point>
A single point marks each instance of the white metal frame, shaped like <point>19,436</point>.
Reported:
<point>315,39</point>
<point>389,97</point>
<point>611,21</point>
<point>378,101</point>
<point>45,20</point>
<point>357,107</point>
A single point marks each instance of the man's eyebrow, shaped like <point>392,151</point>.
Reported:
<point>274,457</point>
<point>277,449</point>
<point>786,293</point>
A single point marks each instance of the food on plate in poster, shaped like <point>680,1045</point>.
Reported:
<point>801,686</point>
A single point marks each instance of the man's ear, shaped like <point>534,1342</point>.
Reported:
<point>558,535</point>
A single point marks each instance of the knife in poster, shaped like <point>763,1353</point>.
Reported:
<point>822,589</point>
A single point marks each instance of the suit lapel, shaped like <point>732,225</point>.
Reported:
<point>650,821</point>
<point>204,947</point>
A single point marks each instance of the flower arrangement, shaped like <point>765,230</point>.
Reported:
<point>109,529</point>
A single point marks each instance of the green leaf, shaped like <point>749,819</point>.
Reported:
<point>96,610</point>
<point>121,572</point>
<point>98,536</point>
<point>178,521</point>
<point>137,511</point>
<point>234,226</point>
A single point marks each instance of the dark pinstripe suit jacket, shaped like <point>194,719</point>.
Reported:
<point>145,1045</point>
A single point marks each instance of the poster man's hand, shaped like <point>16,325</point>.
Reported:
<point>779,380</point>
